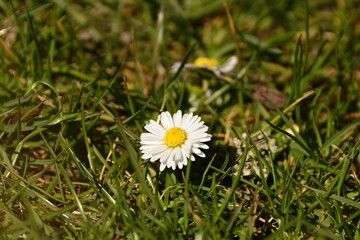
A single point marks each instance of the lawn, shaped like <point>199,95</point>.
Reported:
<point>91,90</point>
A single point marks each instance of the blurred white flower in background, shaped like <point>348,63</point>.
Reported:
<point>228,68</point>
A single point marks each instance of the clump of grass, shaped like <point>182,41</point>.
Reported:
<point>80,80</point>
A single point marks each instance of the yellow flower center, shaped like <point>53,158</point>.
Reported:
<point>175,137</point>
<point>206,62</point>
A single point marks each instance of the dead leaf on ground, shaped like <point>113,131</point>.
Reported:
<point>26,115</point>
<point>262,93</point>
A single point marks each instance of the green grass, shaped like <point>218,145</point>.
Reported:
<point>79,81</point>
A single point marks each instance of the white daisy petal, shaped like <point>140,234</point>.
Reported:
<point>156,149</point>
<point>170,159</point>
<point>185,120</point>
<point>158,154</point>
<point>200,138</point>
<point>173,165</point>
<point>162,167</point>
<point>185,161</point>
<point>166,120</point>
<point>151,142</point>
<point>196,129</point>
<point>198,152</point>
<point>186,150</point>
<point>202,155</point>
<point>180,165</point>
<point>229,66</point>
<point>165,155</point>
<point>205,139</point>
<point>169,163</point>
<point>185,155</point>
<point>174,139</point>
<point>177,155</point>
<point>151,147</point>
<point>197,133</point>
<point>175,67</point>
<point>177,118</point>
<point>155,128</point>
<point>193,123</point>
<point>150,137</point>
<point>154,158</point>
<point>217,72</point>
<point>146,156</point>
<point>201,145</point>
<point>188,123</point>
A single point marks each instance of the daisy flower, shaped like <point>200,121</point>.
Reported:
<point>210,64</point>
<point>174,139</point>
